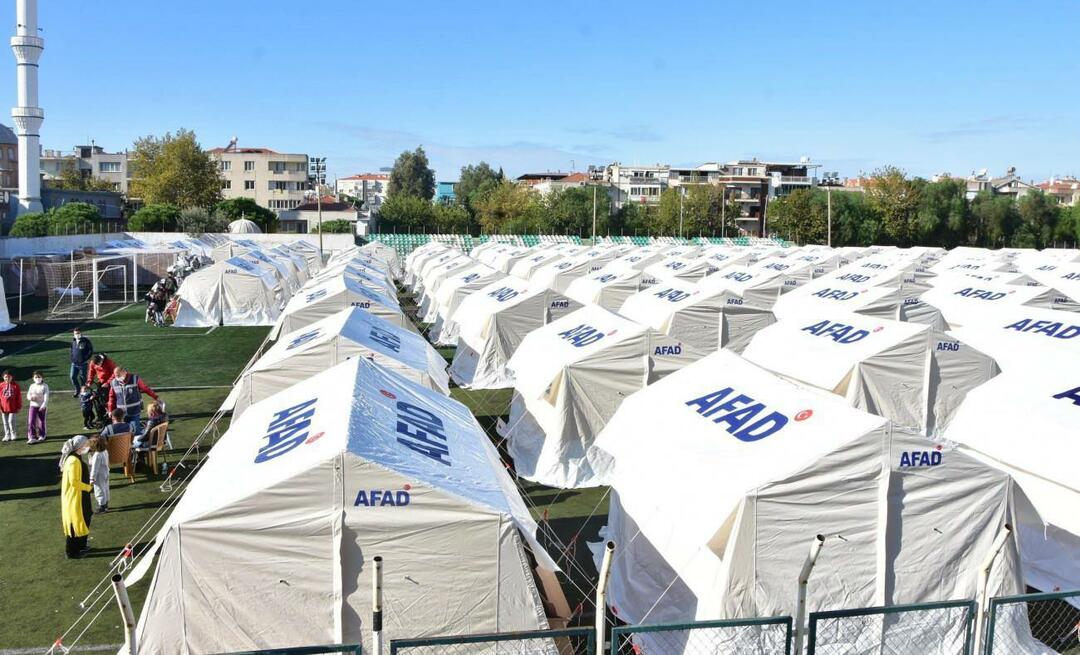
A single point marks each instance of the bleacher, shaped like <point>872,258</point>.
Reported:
<point>406,243</point>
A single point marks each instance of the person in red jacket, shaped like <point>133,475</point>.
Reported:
<point>99,375</point>
<point>10,404</point>
<point>125,391</point>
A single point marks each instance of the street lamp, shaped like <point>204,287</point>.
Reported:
<point>317,171</point>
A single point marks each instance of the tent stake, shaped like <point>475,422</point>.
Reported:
<point>601,593</point>
<point>800,603</point>
<point>376,607</point>
<point>120,591</point>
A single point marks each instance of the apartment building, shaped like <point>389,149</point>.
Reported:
<point>275,180</point>
<point>370,188</point>
<point>637,183</point>
<point>1008,184</point>
<point>90,161</point>
<point>1065,189</point>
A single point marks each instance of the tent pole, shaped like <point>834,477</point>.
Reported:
<point>125,610</point>
<point>800,603</point>
<point>376,607</point>
<point>981,591</point>
<point>601,593</point>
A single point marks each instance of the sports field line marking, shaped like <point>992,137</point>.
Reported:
<point>93,648</point>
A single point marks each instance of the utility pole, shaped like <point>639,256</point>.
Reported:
<point>828,195</point>
<point>682,194</point>
<point>723,213</point>
<point>594,215</point>
<point>317,169</point>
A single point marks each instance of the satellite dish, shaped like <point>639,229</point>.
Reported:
<point>983,171</point>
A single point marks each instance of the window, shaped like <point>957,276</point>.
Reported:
<point>299,166</point>
<point>278,185</point>
<point>225,165</point>
<point>109,167</point>
<point>249,185</point>
<point>249,165</point>
<point>226,184</point>
<point>277,166</point>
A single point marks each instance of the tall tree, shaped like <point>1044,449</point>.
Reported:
<point>476,181</point>
<point>896,198</point>
<point>1039,214</point>
<point>570,211</point>
<point>405,213</point>
<point>510,209</point>
<point>175,170</point>
<point>801,216</point>
<point>155,218</point>
<point>412,176</point>
<point>995,219</point>
<point>943,214</point>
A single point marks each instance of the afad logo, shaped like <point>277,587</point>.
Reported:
<point>315,295</point>
<point>287,430</point>
<point>668,350</point>
<point>1054,329</point>
<point>920,458</point>
<point>583,335</point>
<point>672,295</point>
<point>502,294</point>
<point>606,277</point>
<point>836,294</point>
<point>838,332</point>
<point>1070,394</point>
<point>420,431</point>
<point>388,339</point>
<point>743,417</point>
<point>854,277</point>
<point>471,277</point>
<point>981,294</point>
<point>383,497</point>
<point>303,338</point>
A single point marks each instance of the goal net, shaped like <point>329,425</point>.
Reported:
<point>88,286</point>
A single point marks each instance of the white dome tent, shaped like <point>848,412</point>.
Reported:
<point>270,546</point>
<point>244,226</point>
<point>452,292</point>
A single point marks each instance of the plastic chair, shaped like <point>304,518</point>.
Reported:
<point>119,449</point>
<point>157,440</point>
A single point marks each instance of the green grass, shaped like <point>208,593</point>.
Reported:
<point>40,590</point>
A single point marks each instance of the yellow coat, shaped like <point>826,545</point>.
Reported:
<point>73,489</point>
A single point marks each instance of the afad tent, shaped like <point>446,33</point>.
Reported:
<point>966,301</point>
<point>295,260</point>
<point>366,275</point>
<point>1014,335</point>
<point>416,260</point>
<point>269,268</point>
<point>386,254</point>
<point>525,268</point>
<point>607,288</point>
<point>706,321</point>
<point>560,274</point>
<point>330,297</point>
<point>680,269</point>
<point>492,323</point>
<point>907,372</point>
<point>271,544</point>
<point>569,378</point>
<point>433,280</point>
<point>758,285</point>
<point>285,268</point>
<point>230,292</point>
<point>5,318</point>
<point>724,475</point>
<point>1025,422</point>
<point>352,332</point>
<point>433,263</point>
<point>877,301</point>
<point>452,292</point>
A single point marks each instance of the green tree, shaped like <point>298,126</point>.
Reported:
<point>1039,214</point>
<point>74,218</point>
<point>896,198</point>
<point>412,176</point>
<point>175,170</point>
<point>475,181</point>
<point>405,213</point>
<point>943,215</point>
<point>155,218</point>
<point>72,178</point>
<point>995,219</point>
<point>452,219</point>
<point>198,220</point>
<point>236,208</point>
<point>336,226</point>
<point>510,209</point>
<point>570,211</point>
<point>33,224</point>
<point>801,216</point>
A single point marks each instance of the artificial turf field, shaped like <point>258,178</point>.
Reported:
<point>193,370</point>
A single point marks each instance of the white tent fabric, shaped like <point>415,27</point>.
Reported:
<point>680,269</point>
<point>637,260</point>
<point>907,372</point>
<point>965,301</point>
<point>569,378</point>
<point>1025,422</point>
<point>492,323</point>
<point>386,254</point>
<point>244,226</point>
<point>607,288</point>
<point>452,292</point>
<point>559,274</point>
<point>444,259</point>
<point>297,261</point>
<point>426,303</point>
<point>352,332</point>
<point>5,317</point>
<point>360,272</point>
<point>415,261</point>
<point>725,473</point>
<point>270,545</point>
<point>760,287</point>
<point>525,267</point>
<point>879,301</point>
<point>321,300</point>
<point>704,320</point>
<point>288,283</point>
<point>1015,335</point>
<point>230,292</point>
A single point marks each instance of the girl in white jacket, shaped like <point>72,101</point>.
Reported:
<point>37,394</point>
<point>99,472</point>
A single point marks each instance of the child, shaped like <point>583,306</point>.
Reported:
<point>86,403</point>
<point>10,404</point>
<point>99,472</point>
<point>38,396</point>
<point>156,412</point>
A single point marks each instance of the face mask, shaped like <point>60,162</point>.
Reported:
<point>37,380</point>
<point>82,451</point>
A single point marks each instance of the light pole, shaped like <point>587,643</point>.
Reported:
<point>594,215</point>
<point>317,168</point>
<point>682,195</point>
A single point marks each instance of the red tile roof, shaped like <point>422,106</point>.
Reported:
<point>366,176</point>
<point>250,151</point>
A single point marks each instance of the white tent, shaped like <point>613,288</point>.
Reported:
<point>352,332</point>
<point>492,323</point>
<point>446,258</point>
<point>271,544</point>
<point>504,260</point>
<point>230,292</point>
<point>321,300</point>
<point>964,300</point>
<point>278,270</point>
<point>416,259</point>
<point>386,254</point>
<point>907,372</point>
<point>558,275</point>
<point>724,475</point>
<point>607,288</point>
<point>244,226</point>
<point>298,262</point>
<point>452,292</point>
<point>1025,422</point>
<point>360,272</point>
<point>1015,335</point>
<point>434,278</point>
<point>5,318</point>
<point>525,267</point>
<point>569,378</point>
<point>704,320</point>
<point>680,269</point>
<point>635,259</point>
<point>888,302</point>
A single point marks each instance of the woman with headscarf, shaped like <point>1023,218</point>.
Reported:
<point>75,488</point>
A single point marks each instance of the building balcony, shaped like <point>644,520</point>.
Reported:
<point>797,179</point>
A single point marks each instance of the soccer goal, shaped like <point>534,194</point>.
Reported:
<point>88,287</point>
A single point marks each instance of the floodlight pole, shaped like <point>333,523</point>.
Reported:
<point>594,215</point>
<point>828,195</point>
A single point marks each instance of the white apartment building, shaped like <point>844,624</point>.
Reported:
<point>275,180</point>
<point>370,188</point>
<point>637,183</point>
<point>90,161</point>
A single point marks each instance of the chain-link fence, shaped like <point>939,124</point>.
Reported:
<point>570,641</point>
<point>349,649</point>
<point>765,636</point>
<point>1034,623</point>
<point>921,629</point>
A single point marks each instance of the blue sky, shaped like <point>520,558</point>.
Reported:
<point>927,86</point>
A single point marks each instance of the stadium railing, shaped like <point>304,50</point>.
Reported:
<point>764,636</point>
<point>943,628</point>
<point>569,641</point>
<point>1034,623</point>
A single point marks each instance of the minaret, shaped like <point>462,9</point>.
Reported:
<point>27,116</point>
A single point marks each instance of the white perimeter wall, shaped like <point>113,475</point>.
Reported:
<point>26,247</point>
